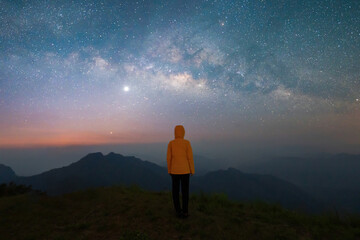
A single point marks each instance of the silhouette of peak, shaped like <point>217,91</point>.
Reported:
<point>99,158</point>
<point>4,168</point>
<point>91,157</point>
<point>6,173</point>
<point>95,158</point>
<point>96,154</point>
<point>112,154</point>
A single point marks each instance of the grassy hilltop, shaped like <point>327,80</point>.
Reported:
<point>130,213</point>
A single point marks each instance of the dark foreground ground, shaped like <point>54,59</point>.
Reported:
<point>130,213</point>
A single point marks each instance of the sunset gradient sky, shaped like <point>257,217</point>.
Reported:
<point>266,73</point>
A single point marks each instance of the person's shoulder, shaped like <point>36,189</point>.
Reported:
<point>187,141</point>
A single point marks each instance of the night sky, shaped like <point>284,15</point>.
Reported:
<point>262,73</point>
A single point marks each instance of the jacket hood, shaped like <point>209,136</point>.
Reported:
<point>179,131</point>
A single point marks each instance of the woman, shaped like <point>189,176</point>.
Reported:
<point>180,166</point>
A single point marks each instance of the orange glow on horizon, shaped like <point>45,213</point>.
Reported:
<point>78,138</point>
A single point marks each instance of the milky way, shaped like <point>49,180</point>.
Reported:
<point>89,72</point>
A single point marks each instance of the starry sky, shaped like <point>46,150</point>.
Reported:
<point>235,73</point>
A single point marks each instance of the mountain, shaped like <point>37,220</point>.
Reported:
<point>205,164</point>
<point>97,169</point>
<point>249,187</point>
<point>331,178</point>
<point>6,174</point>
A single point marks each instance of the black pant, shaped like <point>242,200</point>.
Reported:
<point>184,179</point>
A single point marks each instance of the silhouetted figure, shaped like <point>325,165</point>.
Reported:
<point>180,166</point>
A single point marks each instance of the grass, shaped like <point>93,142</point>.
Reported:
<point>125,213</point>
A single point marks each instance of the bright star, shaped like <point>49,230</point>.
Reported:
<point>126,89</point>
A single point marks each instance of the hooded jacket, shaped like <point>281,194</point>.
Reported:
<point>179,154</point>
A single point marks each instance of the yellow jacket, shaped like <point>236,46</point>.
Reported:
<point>179,154</point>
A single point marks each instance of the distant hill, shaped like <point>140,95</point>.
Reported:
<point>97,169</point>
<point>205,164</point>
<point>120,213</point>
<point>6,174</point>
<point>331,178</point>
<point>248,187</point>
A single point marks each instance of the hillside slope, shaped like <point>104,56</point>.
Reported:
<point>131,213</point>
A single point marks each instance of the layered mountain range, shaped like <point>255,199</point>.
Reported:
<point>97,169</point>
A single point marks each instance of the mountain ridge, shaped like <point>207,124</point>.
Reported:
<point>96,169</point>
<point>331,178</point>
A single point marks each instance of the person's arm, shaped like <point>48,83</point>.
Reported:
<point>190,159</point>
<point>168,158</point>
